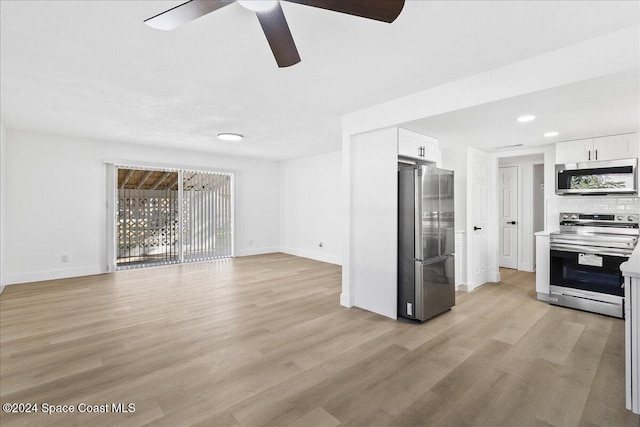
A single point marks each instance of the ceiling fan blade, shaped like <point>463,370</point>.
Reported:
<point>275,27</point>
<point>380,10</point>
<point>181,14</point>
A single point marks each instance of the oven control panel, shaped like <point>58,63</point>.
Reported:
<point>604,218</point>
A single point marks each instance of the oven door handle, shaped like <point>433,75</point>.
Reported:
<point>628,242</point>
<point>590,250</point>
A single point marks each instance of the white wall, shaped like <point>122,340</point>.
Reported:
<point>55,201</point>
<point>3,139</point>
<point>538,197</point>
<point>311,209</point>
<point>538,204</point>
<point>455,159</point>
<point>372,238</point>
<point>595,57</point>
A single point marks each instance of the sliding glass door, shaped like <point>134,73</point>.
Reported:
<point>172,216</point>
<point>207,226</point>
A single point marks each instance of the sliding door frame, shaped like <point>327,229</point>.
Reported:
<point>112,202</point>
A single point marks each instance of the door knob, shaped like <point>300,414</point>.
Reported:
<point>476,228</point>
<point>511,222</point>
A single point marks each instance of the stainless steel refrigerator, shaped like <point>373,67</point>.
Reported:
<point>426,285</point>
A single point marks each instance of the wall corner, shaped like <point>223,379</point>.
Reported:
<point>347,300</point>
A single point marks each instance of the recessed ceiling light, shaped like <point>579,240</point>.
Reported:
<point>230,136</point>
<point>524,119</point>
<point>550,134</point>
<point>258,5</point>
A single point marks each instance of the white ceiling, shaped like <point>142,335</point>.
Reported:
<point>93,69</point>
<point>608,105</point>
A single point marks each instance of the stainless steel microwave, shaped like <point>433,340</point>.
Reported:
<point>598,178</point>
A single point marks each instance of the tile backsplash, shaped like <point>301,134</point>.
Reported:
<point>587,204</point>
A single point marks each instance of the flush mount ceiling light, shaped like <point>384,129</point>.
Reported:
<point>528,118</point>
<point>258,5</point>
<point>550,134</point>
<point>230,136</point>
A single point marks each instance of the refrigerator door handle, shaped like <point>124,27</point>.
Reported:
<point>417,176</point>
<point>441,238</point>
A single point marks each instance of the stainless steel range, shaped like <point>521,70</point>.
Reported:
<point>585,261</point>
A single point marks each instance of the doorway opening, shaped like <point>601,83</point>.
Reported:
<point>520,198</point>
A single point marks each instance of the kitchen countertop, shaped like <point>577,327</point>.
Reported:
<point>542,233</point>
<point>631,268</point>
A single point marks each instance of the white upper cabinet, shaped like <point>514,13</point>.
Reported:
<point>417,146</point>
<point>616,147</point>
<point>602,148</point>
<point>574,151</point>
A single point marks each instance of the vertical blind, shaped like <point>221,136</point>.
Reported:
<point>172,216</point>
<point>207,226</point>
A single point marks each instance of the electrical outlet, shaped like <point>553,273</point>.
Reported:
<point>64,258</point>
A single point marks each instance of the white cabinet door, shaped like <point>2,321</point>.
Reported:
<point>615,147</point>
<point>574,151</point>
<point>431,149</point>
<point>409,144</point>
<point>602,148</point>
<point>417,146</point>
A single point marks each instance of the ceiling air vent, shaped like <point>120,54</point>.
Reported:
<point>509,146</point>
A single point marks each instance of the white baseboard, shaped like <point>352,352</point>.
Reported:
<point>347,300</point>
<point>91,270</point>
<point>495,277</point>
<point>331,259</point>
<point>257,251</point>
<point>465,287</point>
<point>527,266</point>
<point>53,275</point>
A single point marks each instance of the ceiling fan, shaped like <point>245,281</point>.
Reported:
<point>272,19</point>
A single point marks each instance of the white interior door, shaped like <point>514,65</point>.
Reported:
<point>508,216</point>
<point>477,183</point>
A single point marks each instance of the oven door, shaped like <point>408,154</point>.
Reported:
<point>588,270</point>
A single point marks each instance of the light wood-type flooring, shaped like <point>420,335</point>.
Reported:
<point>262,340</point>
